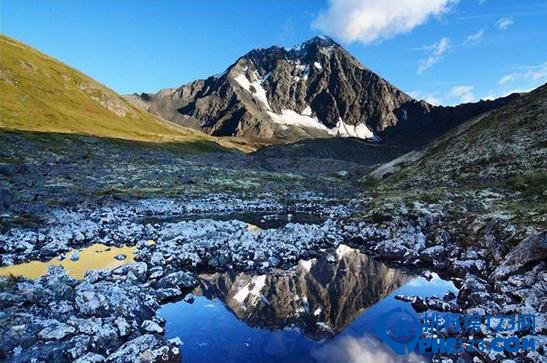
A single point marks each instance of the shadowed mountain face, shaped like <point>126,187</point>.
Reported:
<point>316,89</point>
<point>319,297</point>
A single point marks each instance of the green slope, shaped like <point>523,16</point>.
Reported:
<point>490,171</point>
<point>508,144</point>
<point>39,93</point>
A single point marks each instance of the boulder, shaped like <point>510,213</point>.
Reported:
<point>90,358</point>
<point>526,254</point>
<point>180,279</point>
<point>55,330</point>
<point>146,349</point>
<point>151,327</point>
<point>75,256</point>
<point>432,253</point>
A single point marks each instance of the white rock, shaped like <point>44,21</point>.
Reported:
<point>151,327</point>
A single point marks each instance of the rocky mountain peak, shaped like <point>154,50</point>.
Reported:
<point>314,90</point>
<point>320,41</point>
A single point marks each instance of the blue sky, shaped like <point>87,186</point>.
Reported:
<point>445,51</point>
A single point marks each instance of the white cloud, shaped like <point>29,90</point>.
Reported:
<point>525,79</point>
<point>435,51</point>
<point>490,97</point>
<point>428,97</point>
<point>370,20</point>
<point>535,74</point>
<point>509,78</point>
<point>504,23</point>
<point>474,38</point>
<point>463,94</point>
<point>453,96</point>
<point>359,350</point>
<point>433,100</point>
<point>532,77</point>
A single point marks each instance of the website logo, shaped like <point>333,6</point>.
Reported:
<point>405,332</point>
<point>400,329</point>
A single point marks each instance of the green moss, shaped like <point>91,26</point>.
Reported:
<point>369,183</point>
<point>432,196</point>
<point>399,176</point>
<point>531,187</point>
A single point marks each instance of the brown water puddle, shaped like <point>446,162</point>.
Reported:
<point>253,228</point>
<point>94,257</point>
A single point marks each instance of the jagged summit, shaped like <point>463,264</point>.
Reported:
<point>318,41</point>
<point>316,89</point>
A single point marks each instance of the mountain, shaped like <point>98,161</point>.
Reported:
<point>39,93</point>
<point>316,89</point>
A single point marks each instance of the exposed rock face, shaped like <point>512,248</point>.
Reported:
<point>320,297</point>
<point>316,89</point>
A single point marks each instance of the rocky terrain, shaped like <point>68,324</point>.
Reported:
<point>100,318</point>
<point>316,89</point>
<point>478,197</point>
<point>110,315</point>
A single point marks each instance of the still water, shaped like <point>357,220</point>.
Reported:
<point>262,220</point>
<point>320,311</point>
<point>95,257</point>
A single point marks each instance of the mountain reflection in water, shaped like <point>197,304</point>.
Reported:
<point>319,297</point>
<point>322,310</point>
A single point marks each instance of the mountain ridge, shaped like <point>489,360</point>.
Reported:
<point>317,89</point>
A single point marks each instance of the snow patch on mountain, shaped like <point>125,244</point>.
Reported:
<point>254,88</point>
<point>308,264</point>
<point>342,250</point>
<point>307,120</point>
<point>266,76</point>
<point>292,118</point>
<point>302,70</point>
<point>360,131</point>
<point>257,283</point>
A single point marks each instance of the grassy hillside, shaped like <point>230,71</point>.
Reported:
<point>39,93</point>
<point>490,169</point>
<point>494,151</point>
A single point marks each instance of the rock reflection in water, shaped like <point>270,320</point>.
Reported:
<point>319,296</point>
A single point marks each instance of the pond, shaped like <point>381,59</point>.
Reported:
<point>95,257</point>
<point>263,220</point>
<point>322,310</point>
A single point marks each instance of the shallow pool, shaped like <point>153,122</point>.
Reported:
<point>263,220</point>
<point>323,310</point>
<point>94,257</point>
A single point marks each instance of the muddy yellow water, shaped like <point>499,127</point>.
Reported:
<point>94,257</point>
<point>253,228</point>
